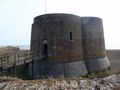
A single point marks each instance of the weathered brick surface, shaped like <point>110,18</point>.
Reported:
<point>56,30</point>
<point>87,45</point>
<point>93,38</point>
<point>88,37</point>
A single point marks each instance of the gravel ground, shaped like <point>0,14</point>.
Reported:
<point>111,82</point>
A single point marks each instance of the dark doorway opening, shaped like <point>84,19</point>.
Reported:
<point>71,36</point>
<point>45,49</point>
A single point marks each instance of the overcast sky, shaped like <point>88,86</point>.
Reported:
<point>16,17</point>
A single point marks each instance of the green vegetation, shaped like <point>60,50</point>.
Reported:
<point>100,74</point>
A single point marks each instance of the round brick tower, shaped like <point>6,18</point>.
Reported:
<point>94,46</point>
<point>58,38</point>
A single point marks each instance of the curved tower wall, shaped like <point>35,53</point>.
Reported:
<point>59,37</point>
<point>72,45</point>
<point>94,46</point>
<point>55,30</point>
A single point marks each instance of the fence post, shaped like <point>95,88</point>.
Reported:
<point>25,64</point>
<point>1,65</point>
<point>32,66</point>
<point>7,67</point>
<point>14,64</point>
<point>7,58</point>
<point>18,57</point>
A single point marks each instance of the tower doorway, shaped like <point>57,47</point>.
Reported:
<point>45,48</point>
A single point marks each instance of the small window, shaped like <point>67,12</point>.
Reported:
<point>71,36</point>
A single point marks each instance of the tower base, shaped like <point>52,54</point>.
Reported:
<point>97,64</point>
<point>58,69</point>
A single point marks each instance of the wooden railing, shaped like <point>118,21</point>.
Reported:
<point>9,64</point>
<point>19,58</point>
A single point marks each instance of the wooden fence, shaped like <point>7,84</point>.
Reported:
<point>8,63</point>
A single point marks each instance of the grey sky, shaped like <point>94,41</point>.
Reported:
<point>16,17</point>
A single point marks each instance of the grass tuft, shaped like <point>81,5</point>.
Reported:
<point>100,74</point>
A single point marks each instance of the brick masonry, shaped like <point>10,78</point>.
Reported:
<point>85,44</point>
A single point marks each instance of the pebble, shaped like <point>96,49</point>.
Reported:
<point>107,83</point>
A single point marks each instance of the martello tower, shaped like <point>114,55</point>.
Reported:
<point>71,45</point>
